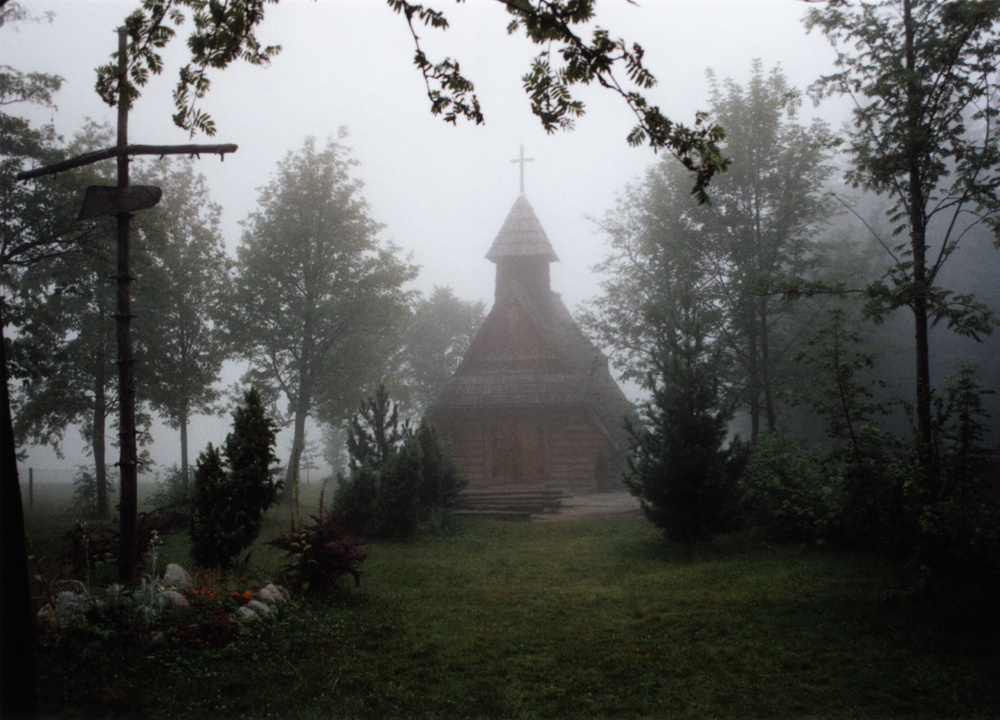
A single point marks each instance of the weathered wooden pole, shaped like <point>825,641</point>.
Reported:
<point>121,201</point>
<point>128,463</point>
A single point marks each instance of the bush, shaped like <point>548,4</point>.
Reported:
<point>355,498</point>
<point>788,492</point>
<point>397,478</point>
<point>392,501</point>
<point>94,546</point>
<point>441,481</point>
<point>397,505</point>
<point>319,554</point>
<point>172,498</point>
<point>375,432</point>
<point>231,497</point>
<point>86,494</point>
<point>872,511</point>
<point>953,524</point>
<point>383,503</point>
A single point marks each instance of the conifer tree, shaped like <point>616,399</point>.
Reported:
<point>375,431</point>
<point>677,465</point>
<point>230,498</point>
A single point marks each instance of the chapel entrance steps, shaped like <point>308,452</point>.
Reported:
<point>510,503</point>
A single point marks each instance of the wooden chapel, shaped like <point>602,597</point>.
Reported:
<point>533,402</point>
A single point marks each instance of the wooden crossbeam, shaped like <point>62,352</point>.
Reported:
<point>112,152</point>
<point>121,201</point>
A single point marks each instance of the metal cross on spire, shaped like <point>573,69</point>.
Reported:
<point>522,160</point>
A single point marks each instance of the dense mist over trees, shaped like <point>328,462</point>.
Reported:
<point>315,292</point>
<point>737,255</point>
<point>806,313</point>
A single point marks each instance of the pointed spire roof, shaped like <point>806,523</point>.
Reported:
<point>521,235</point>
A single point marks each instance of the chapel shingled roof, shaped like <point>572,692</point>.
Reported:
<point>530,353</point>
<point>521,235</point>
<point>579,376</point>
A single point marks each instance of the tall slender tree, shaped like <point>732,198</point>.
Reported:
<point>760,227</point>
<point>66,340</point>
<point>757,233</point>
<point>179,309</point>
<point>31,230</point>
<point>316,292</point>
<point>70,333</point>
<point>922,75</point>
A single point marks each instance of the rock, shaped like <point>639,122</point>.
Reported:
<point>245,613</point>
<point>74,586</point>
<point>176,577</point>
<point>46,617</point>
<point>260,608</point>
<point>72,607</point>
<point>174,599</point>
<point>273,594</point>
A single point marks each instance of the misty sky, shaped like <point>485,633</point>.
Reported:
<point>442,192</point>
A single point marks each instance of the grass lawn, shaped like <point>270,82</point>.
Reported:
<point>583,619</point>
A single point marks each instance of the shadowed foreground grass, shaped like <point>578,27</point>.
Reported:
<point>582,619</point>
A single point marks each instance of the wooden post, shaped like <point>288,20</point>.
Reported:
<point>128,462</point>
<point>31,487</point>
<point>120,201</point>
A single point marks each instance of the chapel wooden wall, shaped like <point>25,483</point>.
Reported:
<point>563,448</point>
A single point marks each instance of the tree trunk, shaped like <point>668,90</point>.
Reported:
<point>753,381</point>
<point>302,403</point>
<point>97,442</point>
<point>182,421</point>
<point>298,443</point>
<point>918,245</point>
<point>18,681</point>
<point>765,368</point>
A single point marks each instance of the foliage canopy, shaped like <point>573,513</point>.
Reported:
<point>224,33</point>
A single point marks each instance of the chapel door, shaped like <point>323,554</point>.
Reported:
<point>531,458</point>
<point>503,452</point>
<point>519,452</point>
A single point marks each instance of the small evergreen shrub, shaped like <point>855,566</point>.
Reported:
<point>319,554</point>
<point>441,480</point>
<point>678,466</point>
<point>375,431</point>
<point>355,497</point>
<point>397,477</point>
<point>215,536</point>
<point>383,503</point>
<point>234,488</point>
<point>397,505</point>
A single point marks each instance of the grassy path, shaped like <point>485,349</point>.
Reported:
<point>582,619</point>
